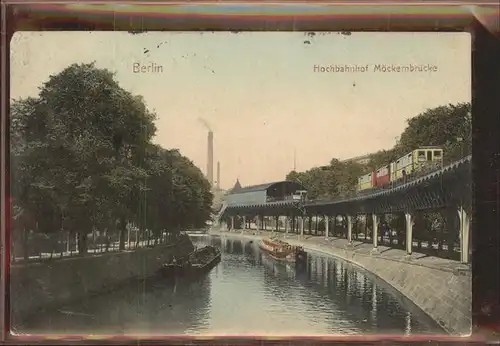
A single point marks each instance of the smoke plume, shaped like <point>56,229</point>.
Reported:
<point>205,123</point>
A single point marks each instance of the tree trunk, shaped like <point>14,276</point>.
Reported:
<point>366,227</point>
<point>82,243</point>
<point>61,242</point>
<point>128,236</point>
<point>122,226</point>
<point>25,245</point>
<point>106,240</point>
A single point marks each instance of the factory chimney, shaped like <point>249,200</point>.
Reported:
<point>210,158</point>
<point>218,175</point>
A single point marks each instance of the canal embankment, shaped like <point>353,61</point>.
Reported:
<point>52,283</point>
<point>439,287</point>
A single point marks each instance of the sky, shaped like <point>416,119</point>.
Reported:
<point>260,93</point>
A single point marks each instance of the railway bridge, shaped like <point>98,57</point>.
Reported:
<point>435,279</point>
<point>446,191</point>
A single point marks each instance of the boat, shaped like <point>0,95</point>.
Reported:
<point>283,251</point>
<point>198,262</point>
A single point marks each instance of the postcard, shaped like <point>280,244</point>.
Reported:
<point>241,183</point>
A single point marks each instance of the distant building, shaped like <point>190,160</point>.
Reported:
<point>236,187</point>
<point>263,193</point>
<point>362,160</point>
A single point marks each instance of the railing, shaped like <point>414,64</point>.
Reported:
<point>40,247</point>
<point>432,240</point>
<point>437,247</point>
<point>427,169</point>
<point>283,198</point>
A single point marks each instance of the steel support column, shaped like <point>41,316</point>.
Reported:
<point>301,226</point>
<point>409,232</point>
<point>334,221</point>
<point>375,232</point>
<point>349,228</point>
<point>244,222</point>
<point>327,225</point>
<point>464,218</point>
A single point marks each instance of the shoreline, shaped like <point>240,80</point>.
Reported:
<point>51,284</point>
<point>333,245</point>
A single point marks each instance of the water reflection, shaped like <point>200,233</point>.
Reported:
<point>335,295</point>
<point>150,306</point>
<point>247,293</point>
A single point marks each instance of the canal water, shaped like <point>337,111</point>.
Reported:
<point>247,293</point>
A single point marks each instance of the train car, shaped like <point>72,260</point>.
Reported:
<point>402,166</point>
<point>419,161</point>
<point>424,158</point>
<point>383,176</point>
<point>367,181</point>
<point>427,159</point>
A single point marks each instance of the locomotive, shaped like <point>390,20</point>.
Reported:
<point>419,161</point>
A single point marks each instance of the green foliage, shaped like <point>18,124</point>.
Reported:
<point>338,179</point>
<point>82,159</point>
<point>447,126</point>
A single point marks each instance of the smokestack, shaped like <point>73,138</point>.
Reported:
<point>218,174</point>
<point>210,158</point>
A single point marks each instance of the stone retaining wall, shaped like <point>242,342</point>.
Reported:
<point>45,285</point>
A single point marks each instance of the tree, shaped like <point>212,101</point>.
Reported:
<point>339,179</point>
<point>380,159</point>
<point>447,126</point>
<point>82,159</point>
